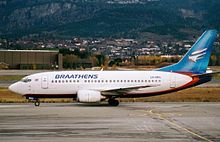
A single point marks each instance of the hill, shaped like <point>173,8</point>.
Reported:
<point>107,18</point>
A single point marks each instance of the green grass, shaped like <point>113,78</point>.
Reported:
<point>188,95</point>
<point>7,96</point>
<point>217,77</point>
<point>10,77</point>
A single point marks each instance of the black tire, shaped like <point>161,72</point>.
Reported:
<point>113,102</point>
<point>37,103</point>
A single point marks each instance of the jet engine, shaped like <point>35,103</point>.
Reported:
<point>89,96</point>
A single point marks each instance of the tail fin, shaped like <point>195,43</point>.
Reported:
<point>197,58</point>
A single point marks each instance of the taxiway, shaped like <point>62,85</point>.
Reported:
<point>133,122</point>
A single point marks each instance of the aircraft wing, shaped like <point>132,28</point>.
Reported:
<point>120,91</point>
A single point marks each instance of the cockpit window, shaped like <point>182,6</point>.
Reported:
<point>26,80</point>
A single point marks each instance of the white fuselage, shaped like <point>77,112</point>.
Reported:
<point>69,82</point>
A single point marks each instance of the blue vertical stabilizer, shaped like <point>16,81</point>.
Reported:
<point>197,58</point>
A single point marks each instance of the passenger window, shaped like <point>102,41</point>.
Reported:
<point>52,81</point>
<point>55,81</point>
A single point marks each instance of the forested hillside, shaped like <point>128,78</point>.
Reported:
<point>107,18</point>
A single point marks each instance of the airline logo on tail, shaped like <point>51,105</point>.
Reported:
<point>196,55</point>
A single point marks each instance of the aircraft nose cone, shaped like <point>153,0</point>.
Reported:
<point>13,88</point>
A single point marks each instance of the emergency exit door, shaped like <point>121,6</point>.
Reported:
<point>44,82</point>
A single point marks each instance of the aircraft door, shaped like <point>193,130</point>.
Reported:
<point>172,81</point>
<point>44,82</point>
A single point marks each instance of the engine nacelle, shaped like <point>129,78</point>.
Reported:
<point>89,96</point>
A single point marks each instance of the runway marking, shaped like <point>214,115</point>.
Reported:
<point>178,126</point>
<point>8,106</point>
<point>12,106</point>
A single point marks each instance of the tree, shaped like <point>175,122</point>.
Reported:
<point>70,61</point>
<point>101,59</point>
<point>213,60</point>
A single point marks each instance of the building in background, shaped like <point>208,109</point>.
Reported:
<point>31,59</point>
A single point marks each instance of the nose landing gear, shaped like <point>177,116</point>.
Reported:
<point>37,102</point>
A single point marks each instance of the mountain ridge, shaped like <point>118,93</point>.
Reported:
<point>101,18</point>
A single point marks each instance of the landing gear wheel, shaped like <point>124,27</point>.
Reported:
<point>37,103</point>
<point>113,102</point>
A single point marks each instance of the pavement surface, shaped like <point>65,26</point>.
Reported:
<point>129,122</point>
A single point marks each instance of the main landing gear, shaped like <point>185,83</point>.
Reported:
<point>113,102</point>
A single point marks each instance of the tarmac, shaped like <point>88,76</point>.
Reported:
<point>129,122</point>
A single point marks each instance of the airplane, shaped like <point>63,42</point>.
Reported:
<point>97,86</point>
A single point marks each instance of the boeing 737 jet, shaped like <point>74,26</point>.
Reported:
<point>97,86</point>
